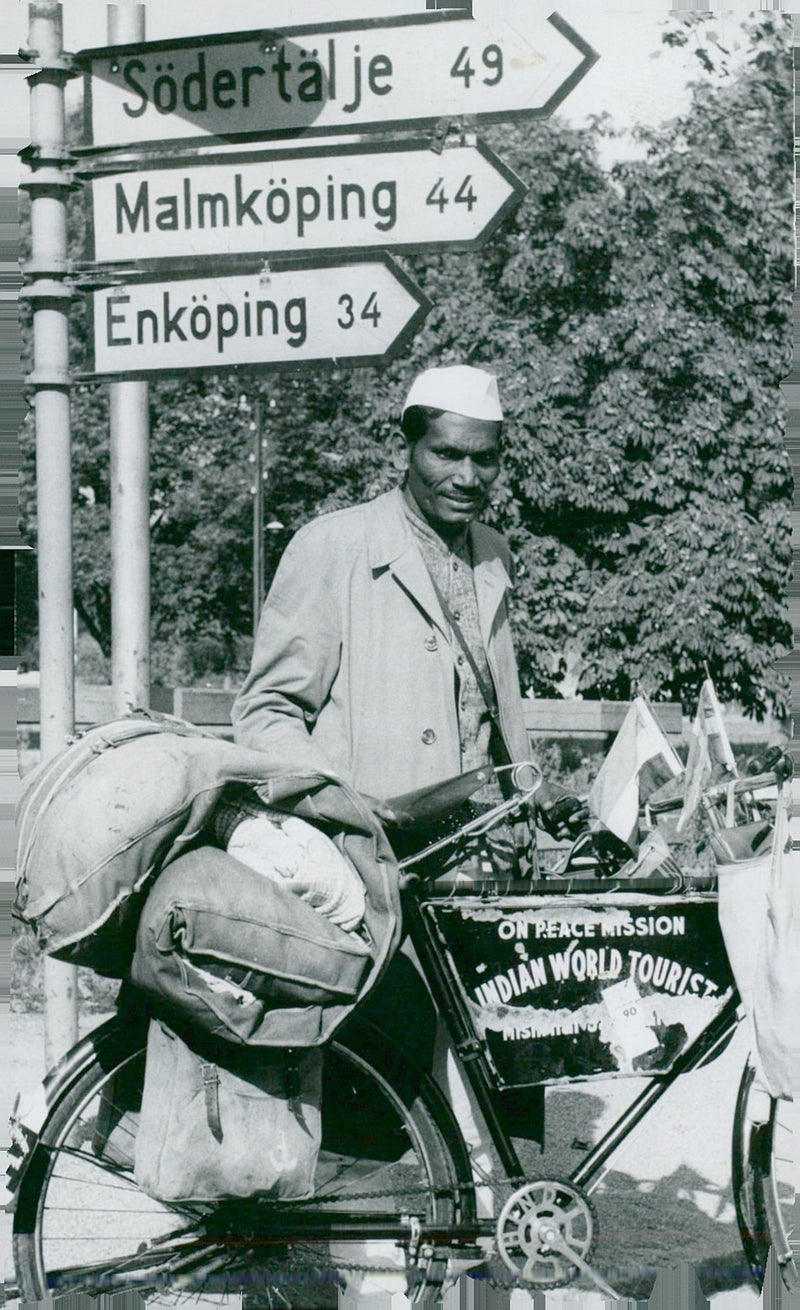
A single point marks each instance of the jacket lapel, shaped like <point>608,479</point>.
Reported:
<point>392,546</point>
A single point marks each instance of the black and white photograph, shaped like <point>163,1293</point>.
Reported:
<point>405,899</point>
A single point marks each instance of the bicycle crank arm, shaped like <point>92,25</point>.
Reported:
<point>556,1243</point>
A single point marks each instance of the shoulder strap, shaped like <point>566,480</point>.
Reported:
<point>485,688</point>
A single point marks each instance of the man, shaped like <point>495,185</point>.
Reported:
<point>384,652</point>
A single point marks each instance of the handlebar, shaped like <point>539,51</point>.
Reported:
<point>526,778</point>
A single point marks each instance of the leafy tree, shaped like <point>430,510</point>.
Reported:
<point>640,324</point>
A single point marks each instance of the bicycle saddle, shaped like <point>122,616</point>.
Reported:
<point>430,804</point>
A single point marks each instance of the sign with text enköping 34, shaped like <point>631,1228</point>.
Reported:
<point>353,312</point>
<point>401,195</point>
<point>509,59</point>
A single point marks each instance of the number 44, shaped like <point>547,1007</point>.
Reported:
<point>464,195</point>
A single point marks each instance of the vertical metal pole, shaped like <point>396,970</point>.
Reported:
<point>258,517</point>
<point>130,489</point>
<point>50,295</point>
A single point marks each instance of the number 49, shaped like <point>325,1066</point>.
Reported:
<point>492,57</point>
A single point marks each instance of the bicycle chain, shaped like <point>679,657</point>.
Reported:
<point>439,1192</point>
<point>502,1281</point>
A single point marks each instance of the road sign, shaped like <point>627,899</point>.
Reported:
<point>400,196</point>
<point>511,59</point>
<point>353,312</point>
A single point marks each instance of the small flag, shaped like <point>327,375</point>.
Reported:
<point>709,745</point>
<point>640,760</point>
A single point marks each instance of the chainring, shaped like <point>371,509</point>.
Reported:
<point>535,1220</point>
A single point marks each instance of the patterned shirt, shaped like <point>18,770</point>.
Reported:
<point>452,572</point>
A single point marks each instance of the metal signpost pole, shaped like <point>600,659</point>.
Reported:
<point>49,295</point>
<point>258,515</point>
<point>129,404</point>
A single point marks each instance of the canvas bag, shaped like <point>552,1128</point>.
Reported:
<point>98,823</point>
<point>776,982</point>
<point>222,946</point>
<point>759,914</point>
<point>222,1121</point>
<point>743,857</point>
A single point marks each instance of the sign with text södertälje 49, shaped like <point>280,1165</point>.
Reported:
<point>356,311</point>
<point>512,58</point>
<point>402,195</point>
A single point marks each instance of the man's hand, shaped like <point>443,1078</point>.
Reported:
<point>560,815</point>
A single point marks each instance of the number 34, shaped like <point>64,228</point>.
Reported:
<point>369,312</point>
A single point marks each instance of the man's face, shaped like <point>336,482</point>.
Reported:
<point>451,470</point>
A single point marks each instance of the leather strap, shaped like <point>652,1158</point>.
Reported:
<point>210,1074</point>
<point>486,690</point>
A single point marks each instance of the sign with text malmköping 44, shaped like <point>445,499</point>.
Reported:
<point>401,195</point>
<point>507,61</point>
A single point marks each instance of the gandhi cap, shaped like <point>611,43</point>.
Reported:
<point>459,389</point>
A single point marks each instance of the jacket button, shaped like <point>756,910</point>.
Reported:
<point>431,642</point>
<point>428,737</point>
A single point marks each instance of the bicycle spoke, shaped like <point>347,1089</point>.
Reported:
<point>366,1175</point>
<point>106,1273</point>
<point>83,1224</point>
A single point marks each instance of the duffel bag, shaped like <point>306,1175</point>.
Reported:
<point>743,856</point>
<point>218,1120</point>
<point>95,822</point>
<point>221,945</point>
<point>99,821</point>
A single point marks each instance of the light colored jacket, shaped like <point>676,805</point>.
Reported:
<point>353,668</point>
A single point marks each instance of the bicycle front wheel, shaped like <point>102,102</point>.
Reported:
<point>391,1162</point>
<point>766,1177</point>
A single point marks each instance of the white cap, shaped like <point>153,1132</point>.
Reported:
<point>459,389</point>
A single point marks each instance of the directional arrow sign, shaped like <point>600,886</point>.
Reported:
<point>511,59</point>
<point>356,312</point>
<point>404,196</point>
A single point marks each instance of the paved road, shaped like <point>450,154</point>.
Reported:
<point>667,1197</point>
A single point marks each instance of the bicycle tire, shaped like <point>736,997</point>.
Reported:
<point>81,1225</point>
<point>764,1173</point>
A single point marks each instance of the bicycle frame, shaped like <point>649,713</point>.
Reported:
<point>427,1234</point>
<point>473,1060</point>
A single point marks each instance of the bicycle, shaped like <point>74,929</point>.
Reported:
<point>395,1195</point>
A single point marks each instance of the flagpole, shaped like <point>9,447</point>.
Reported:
<point>727,750</point>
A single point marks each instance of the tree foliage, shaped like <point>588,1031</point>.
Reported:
<point>639,321</point>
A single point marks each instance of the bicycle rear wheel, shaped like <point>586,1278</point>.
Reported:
<point>391,1159</point>
<point>766,1178</point>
